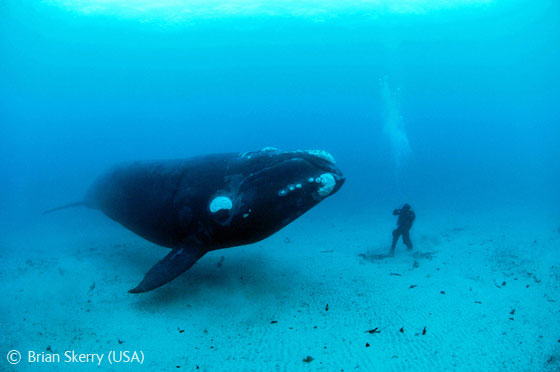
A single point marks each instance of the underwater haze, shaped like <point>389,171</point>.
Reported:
<point>450,106</point>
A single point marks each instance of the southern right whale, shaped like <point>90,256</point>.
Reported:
<point>211,202</point>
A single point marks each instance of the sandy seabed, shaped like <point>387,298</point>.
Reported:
<point>474,295</point>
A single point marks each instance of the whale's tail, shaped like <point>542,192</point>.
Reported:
<point>71,205</point>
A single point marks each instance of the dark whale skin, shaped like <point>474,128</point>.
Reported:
<point>170,202</point>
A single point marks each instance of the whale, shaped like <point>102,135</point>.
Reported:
<point>204,203</point>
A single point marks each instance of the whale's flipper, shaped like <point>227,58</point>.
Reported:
<point>71,205</point>
<point>171,266</point>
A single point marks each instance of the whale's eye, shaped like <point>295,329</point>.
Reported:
<point>220,203</point>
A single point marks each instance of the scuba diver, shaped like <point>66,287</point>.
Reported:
<point>404,223</point>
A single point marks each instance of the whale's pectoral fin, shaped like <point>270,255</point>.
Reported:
<point>171,266</point>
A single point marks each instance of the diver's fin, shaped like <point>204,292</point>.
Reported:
<point>171,266</point>
<point>76,204</point>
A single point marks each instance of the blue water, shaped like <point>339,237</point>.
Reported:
<point>448,106</point>
<point>474,88</point>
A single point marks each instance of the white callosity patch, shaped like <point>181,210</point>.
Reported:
<point>291,188</point>
<point>220,203</point>
<point>327,184</point>
<point>322,154</point>
<point>270,149</point>
<point>249,154</point>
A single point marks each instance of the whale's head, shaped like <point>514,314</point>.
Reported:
<point>293,178</point>
<point>321,177</point>
<point>275,188</point>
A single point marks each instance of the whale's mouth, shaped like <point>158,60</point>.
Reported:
<point>321,166</point>
<point>325,161</point>
<point>331,179</point>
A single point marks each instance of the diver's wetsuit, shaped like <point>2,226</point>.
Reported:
<point>404,223</point>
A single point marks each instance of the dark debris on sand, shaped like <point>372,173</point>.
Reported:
<point>308,359</point>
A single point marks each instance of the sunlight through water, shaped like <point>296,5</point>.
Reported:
<point>184,10</point>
